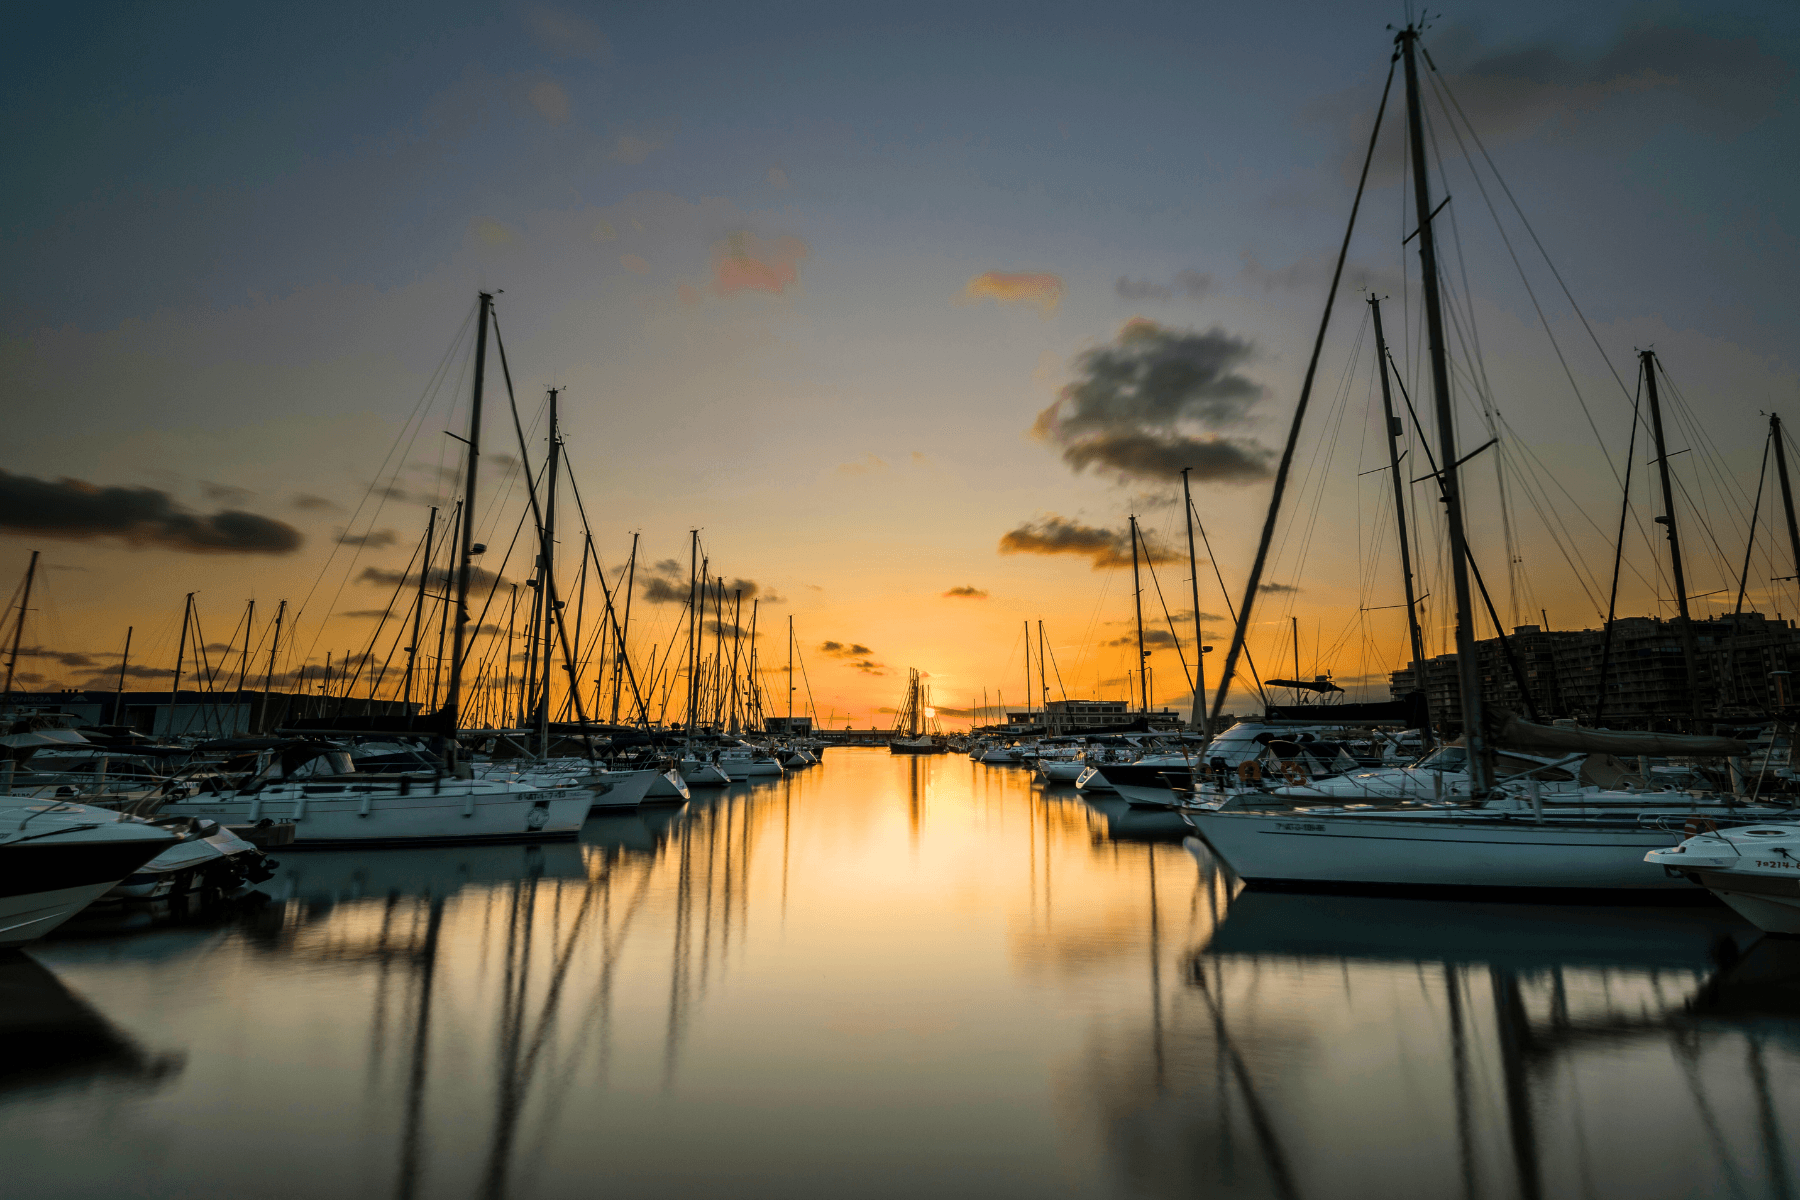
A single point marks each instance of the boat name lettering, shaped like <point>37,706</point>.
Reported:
<point>1785,866</point>
<point>1300,826</point>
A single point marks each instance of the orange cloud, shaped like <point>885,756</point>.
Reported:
<point>744,262</point>
<point>1006,287</point>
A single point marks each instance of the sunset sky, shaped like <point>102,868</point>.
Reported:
<point>906,310</point>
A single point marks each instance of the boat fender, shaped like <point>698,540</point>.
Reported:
<point>1250,772</point>
<point>1293,772</point>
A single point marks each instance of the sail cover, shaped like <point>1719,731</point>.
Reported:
<point>1514,732</point>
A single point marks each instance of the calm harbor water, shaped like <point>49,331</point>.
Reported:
<point>885,977</point>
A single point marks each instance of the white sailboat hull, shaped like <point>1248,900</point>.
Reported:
<point>389,814</point>
<point>1431,853</point>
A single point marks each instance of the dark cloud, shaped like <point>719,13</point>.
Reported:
<point>1651,74</point>
<point>1224,460</point>
<point>393,491</point>
<point>225,493</point>
<point>1278,587</point>
<point>367,612</point>
<point>1154,639</point>
<point>479,579</point>
<point>966,592</point>
<point>308,502</point>
<point>1126,409</point>
<point>1313,274</point>
<point>68,658</point>
<point>1102,547</point>
<point>374,537</point>
<point>725,629</point>
<point>132,671</point>
<point>1189,284</point>
<point>70,508</point>
<point>855,655</point>
<point>659,590</point>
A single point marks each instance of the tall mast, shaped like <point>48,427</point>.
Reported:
<point>1468,670</point>
<point>737,642</point>
<point>244,663</point>
<point>1395,430</point>
<point>187,607</point>
<point>1689,652</point>
<point>1787,494</point>
<point>1028,672</point>
<point>693,646</point>
<point>1294,624</point>
<point>269,679</point>
<point>119,696</point>
<point>1043,680</point>
<point>1137,597</point>
<point>790,716</point>
<point>547,589</point>
<point>466,549</point>
<point>19,629</point>
<point>1197,719</point>
<point>623,629</point>
<point>412,651</point>
<point>437,665</point>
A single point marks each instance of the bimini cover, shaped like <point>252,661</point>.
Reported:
<point>1514,732</point>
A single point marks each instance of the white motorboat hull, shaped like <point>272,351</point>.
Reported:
<point>383,812</point>
<point>620,789</point>
<point>668,785</point>
<point>220,859</point>
<point>1754,869</point>
<point>1768,912</point>
<point>56,859</point>
<point>703,774</point>
<point>1060,772</point>
<point>1299,851</point>
<point>29,917</point>
<point>1090,780</point>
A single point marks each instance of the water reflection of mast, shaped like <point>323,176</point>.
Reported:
<point>407,1185</point>
<point>1514,1029</point>
<point>1459,1059</point>
<point>1156,1015</point>
<point>1280,1175</point>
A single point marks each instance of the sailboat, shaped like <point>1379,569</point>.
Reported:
<point>912,724</point>
<point>1498,842</point>
<point>317,787</point>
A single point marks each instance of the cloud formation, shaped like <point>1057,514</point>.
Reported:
<point>966,592</point>
<point>565,34</point>
<point>374,537</point>
<point>1053,535</point>
<point>744,262</point>
<point>1133,405</point>
<point>854,654</point>
<point>1006,287</point>
<point>1154,639</point>
<point>550,100</point>
<point>1189,285</point>
<point>80,511</point>
<point>307,502</point>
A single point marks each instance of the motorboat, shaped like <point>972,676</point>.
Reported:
<point>316,786</point>
<point>1753,868</point>
<point>211,859</point>
<point>56,859</point>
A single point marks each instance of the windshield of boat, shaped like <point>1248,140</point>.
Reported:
<point>1449,758</point>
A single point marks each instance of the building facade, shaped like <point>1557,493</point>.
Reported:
<point>1742,664</point>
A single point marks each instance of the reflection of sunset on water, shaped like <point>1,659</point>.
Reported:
<point>830,971</point>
